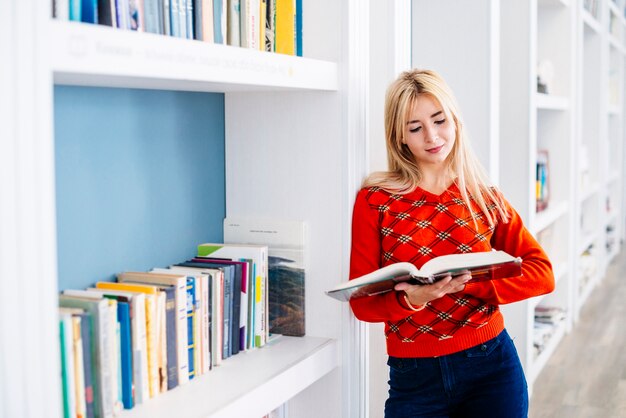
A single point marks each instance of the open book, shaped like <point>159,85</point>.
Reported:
<point>483,266</point>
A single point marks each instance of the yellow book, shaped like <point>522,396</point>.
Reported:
<point>151,293</point>
<point>285,27</point>
<point>262,23</point>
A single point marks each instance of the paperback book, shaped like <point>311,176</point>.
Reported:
<point>483,266</point>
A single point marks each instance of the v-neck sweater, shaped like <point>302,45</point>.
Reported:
<point>419,226</point>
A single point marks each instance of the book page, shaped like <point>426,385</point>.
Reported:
<point>459,262</point>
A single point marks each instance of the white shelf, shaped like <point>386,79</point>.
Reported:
<point>591,22</point>
<point>551,102</point>
<point>550,215</point>
<point>586,291</point>
<point>586,241</point>
<point>547,352</point>
<point>97,55</point>
<point>250,384</point>
<point>614,42</point>
<point>615,110</point>
<point>589,192</point>
<point>552,3</point>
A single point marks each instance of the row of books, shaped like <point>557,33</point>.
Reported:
<point>125,342</point>
<point>266,25</point>
<point>548,319</point>
<point>542,195</point>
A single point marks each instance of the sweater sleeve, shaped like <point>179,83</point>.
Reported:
<point>537,277</point>
<point>365,257</point>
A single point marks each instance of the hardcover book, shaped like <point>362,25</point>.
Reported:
<point>483,266</point>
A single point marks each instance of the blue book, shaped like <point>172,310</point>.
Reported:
<point>175,29</point>
<point>189,18</point>
<point>89,12</point>
<point>126,351</point>
<point>75,10</point>
<point>299,28</point>
<point>191,300</point>
<point>218,37</point>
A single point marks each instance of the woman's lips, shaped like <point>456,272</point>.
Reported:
<point>435,150</point>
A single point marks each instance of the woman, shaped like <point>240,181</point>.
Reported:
<point>449,354</point>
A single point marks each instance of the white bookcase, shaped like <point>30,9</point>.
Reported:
<point>582,132</point>
<point>295,140</point>
<point>576,120</point>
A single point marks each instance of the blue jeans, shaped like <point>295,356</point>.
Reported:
<point>483,381</point>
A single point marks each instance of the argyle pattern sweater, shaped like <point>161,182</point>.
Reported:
<point>419,226</point>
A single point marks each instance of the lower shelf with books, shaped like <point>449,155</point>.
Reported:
<point>547,351</point>
<point>250,384</point>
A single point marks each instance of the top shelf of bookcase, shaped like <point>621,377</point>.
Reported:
<point>250,384</point>
<point>95,55</point>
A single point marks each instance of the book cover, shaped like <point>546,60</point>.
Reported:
<point>489,265</point>
<point>286,243</point>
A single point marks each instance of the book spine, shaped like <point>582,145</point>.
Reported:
<point>191,295</point>
<point>236,308</point>
<point>89,11</point>
<point>270,25</point>
<point>166,12</point>
<point>206,323</point>
<point>142,389</point>
<point>189,19</point>
<point>228,313</point>
<point>67,366</point>
<point>85,334</point>
<point>123,317</point>
<point>234,16</point>
<point>298,33</point>
<point>79,371</point>
<point>172,345</point>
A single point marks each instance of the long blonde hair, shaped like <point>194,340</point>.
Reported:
<point>404,173</point>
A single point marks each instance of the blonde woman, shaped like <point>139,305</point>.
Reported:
<point>449,353</point>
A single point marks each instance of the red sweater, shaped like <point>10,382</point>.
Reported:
<point>418,226</point>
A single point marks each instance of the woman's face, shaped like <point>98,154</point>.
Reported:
<point>429,132</point>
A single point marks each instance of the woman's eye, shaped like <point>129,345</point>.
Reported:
<point>439,122</point>
<point>415,129</point>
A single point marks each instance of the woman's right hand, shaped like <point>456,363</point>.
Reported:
<point>419,295</point>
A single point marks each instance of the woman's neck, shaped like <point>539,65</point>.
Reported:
<point>436,183</point>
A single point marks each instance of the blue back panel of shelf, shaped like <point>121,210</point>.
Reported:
<point>139,179</point>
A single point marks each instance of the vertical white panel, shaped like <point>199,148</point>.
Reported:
<point>29,356</point>
<point>457,39</point>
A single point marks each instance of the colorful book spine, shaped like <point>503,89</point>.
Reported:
<point>191,297</point>
<point>285,27</point>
